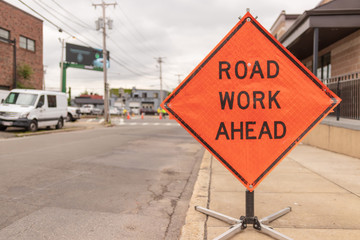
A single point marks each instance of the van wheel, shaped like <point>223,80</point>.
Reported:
<point>3,128</point>
<point>60,124</point>
<point>69,118</point>
<point>33,127</point>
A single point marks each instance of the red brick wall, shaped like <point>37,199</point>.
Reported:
<point>20,23</point>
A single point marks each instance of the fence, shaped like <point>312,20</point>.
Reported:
<point>347,87</point>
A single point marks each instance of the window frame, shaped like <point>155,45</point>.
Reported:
<point>324,66</point>
<point>8,38</point>
<point>27,45</point>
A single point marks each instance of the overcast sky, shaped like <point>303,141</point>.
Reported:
<point>183,32</point>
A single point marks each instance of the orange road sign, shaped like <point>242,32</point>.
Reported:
<point>250,102</point>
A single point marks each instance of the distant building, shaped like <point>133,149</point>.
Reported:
<point>283,23</point>
<point>326,39</point>
<point>27,31</point>
<point>136,100</point>
<point>92,99</point>
<point>329,33</point>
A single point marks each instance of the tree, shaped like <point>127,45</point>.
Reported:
<point>25,73</point>
<point>85,92</point>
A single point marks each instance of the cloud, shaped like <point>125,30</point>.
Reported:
<point>181,31</point>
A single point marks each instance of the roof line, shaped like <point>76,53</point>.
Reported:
<point>317,12</point>
<point>22,10</point>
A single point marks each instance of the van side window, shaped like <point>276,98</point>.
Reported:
<point>51,101</point>
<point>41,101</point>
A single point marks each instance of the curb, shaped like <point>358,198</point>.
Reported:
<point>194,227</point>
<point>26,134</point>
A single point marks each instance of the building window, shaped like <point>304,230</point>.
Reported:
<point>324,67</point>
<point>156,95</point>
<point>144,95</point>
<point>27,43</point>
<point>4,34</point>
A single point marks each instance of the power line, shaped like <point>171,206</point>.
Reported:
<point>63,15</point>
<point>134,27</point>
<point>128,55</point>
<point>138,63</point>
<point>35,1</point>
<point>72,15</point>
<point>61,21</point>
<point>59,28</point>
<point>114,42</point>
<point>128,69</point>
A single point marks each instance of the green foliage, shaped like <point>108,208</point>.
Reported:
<point>21,85</point>
<point>25,71</point>
<point>69,98</point>
<point>129,91</point>
<point>85,92</point>
<point>114,91</point>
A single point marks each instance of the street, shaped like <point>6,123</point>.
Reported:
<point>130,181</point>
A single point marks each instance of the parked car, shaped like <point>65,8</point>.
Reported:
<point>32,109</point>
<point>114,111</point>
<point>73,114</point>
<point>148,111</point>
<point>90,109</point>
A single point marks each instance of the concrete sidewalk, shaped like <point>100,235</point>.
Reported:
<point>321,187</point>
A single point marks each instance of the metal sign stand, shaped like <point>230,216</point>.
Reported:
<point>239,225</point>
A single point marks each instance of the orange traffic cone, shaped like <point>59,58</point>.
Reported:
<point>160,116</point>
<point>142,115</point>
<point>128,116</point>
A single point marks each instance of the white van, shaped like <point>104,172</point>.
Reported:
<point>3,94</point>
<point>32,109</point>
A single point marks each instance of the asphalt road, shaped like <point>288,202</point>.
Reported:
<point>130,181</point>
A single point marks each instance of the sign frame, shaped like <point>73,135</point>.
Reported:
<point>248,18</point>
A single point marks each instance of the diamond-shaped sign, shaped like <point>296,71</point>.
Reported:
<point>250,101</point>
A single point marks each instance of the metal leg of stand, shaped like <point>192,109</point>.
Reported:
<point>271,232</point>
<point>268,230</point>
<point>272,217</point>
<point>239,225</point>
<point>222,217</point>
<point>235,229</point>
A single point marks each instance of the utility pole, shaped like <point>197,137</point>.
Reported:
<point>178,75</point>
<point>62,41</point>
<point>103,26</point>
<point>160,61</point>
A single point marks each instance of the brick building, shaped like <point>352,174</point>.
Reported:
<point>27,31</point>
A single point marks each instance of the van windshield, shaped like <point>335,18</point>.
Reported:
<point>25,99</point>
